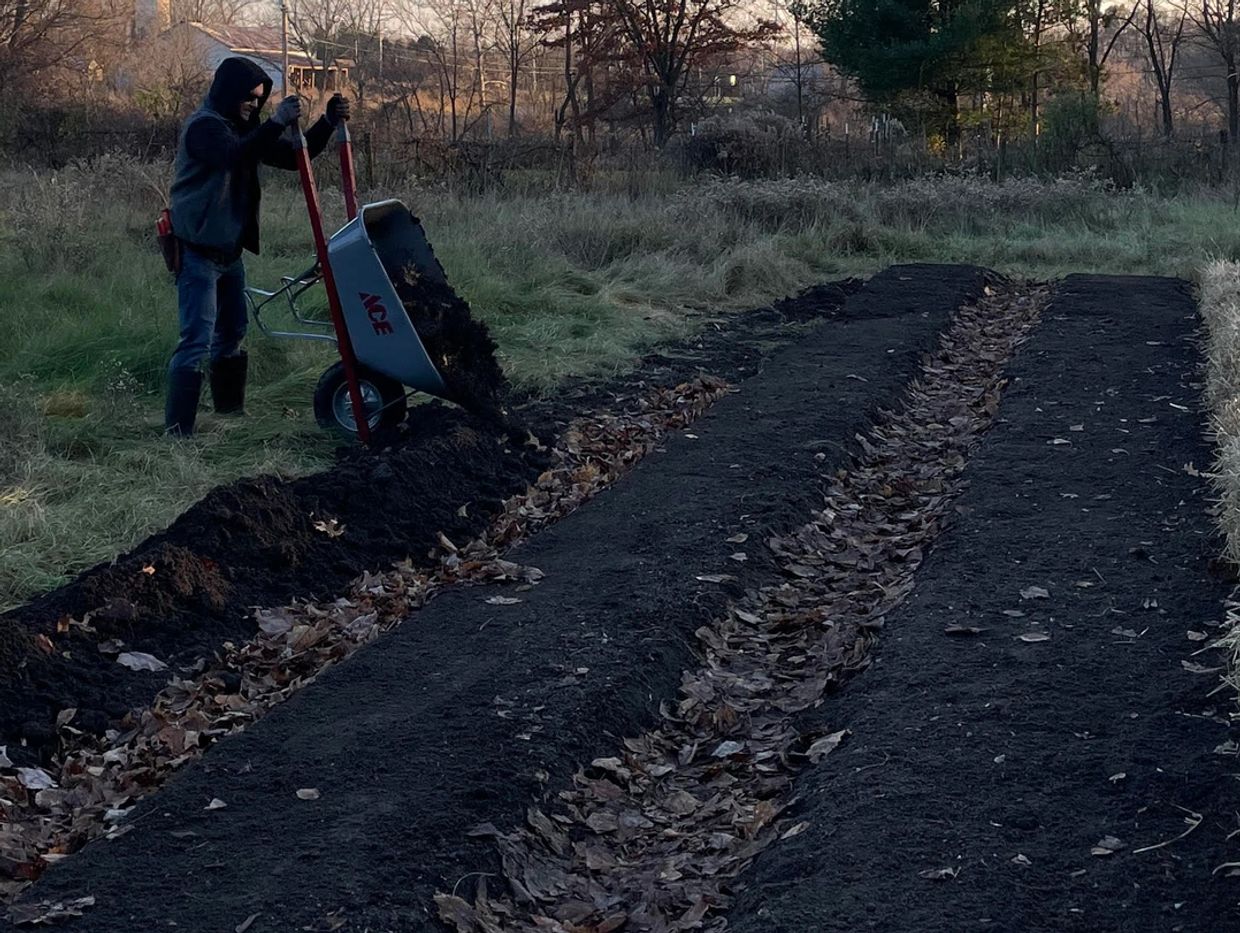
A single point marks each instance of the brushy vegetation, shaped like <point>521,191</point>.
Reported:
<point>1220,307</point>
<point>570,282</point>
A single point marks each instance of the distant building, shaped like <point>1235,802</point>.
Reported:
<point>210,45</point>
<point>262,45</point>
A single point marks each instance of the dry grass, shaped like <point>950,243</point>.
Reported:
<point>1220,306</point>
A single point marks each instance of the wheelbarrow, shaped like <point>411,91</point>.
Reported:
<point>381,355</point>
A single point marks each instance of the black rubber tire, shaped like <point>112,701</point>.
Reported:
<point>334,412</point>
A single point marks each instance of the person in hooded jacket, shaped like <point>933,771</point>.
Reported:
<point>215,198</point>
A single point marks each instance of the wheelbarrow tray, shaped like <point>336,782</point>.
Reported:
<point>380,246</point>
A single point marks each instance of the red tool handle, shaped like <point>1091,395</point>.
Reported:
<point>348,180</point>
<point>343,343</point>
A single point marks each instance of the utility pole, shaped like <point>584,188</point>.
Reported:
<point>284,47</point>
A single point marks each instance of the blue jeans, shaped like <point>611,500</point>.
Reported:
<point>211,304</point>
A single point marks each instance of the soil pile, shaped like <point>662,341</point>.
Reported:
<point>256,542</point>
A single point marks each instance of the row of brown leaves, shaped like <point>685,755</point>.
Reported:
<point>651,838</point>
<point>45,815</point>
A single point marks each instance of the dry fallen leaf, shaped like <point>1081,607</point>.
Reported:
<point>1107,845</point>
<point>48,911</point>
<point>1197,636</point>
<point>737,539</point>
<point>825,746</point>
<point>963,630</point>
<point>1194,668</point>
<point>1032,637</point>
<point>503,601</point>
<point>308,793</point>
<point>149,570</point>
<point>939,874</point>
<point>329,527</point>
<point>215,804</point>
<point>140,661</point>
<point>795,830</point>
<point>1035,592</point>
<point>681,802</point>
<point>35,779</point>
<point>246,923</point>
<point>716,577</point>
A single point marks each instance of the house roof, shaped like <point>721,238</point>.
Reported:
<point>259,42</point>
<point>245,38</point>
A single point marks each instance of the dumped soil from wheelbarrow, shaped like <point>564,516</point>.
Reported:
<point>461,347</point>
<point>257,542</point>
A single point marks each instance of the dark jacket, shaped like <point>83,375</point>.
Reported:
<point>215,189</point>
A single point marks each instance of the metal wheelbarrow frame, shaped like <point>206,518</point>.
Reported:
<point>380,350</point>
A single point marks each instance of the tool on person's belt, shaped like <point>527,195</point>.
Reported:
<point>169,245</point>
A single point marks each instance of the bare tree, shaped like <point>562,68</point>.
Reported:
<point>1219,30</point>
<point>1096,27</point>
<point>38,35</point>
<point>1163,33</point>
<point>792,60</point>
<point>451,42</point>
<point>317,26</point>
<point>517,42</point>
<point>671,39</point>
<point>214,12</point>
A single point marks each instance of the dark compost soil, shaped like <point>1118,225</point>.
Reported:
<point>1008,761</point>
<point>461,347</point>
<point>254,542</point>
<point>470,710</point>
<point>179,594</point>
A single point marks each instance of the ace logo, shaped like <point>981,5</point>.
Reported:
<point>377,313</point>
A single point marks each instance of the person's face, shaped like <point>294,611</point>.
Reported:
<point>250,104</point>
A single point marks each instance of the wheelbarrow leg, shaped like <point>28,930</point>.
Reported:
<point>347,357</point>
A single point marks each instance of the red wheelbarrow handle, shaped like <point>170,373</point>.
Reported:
<point>343,343</point>
<point>348,180</point>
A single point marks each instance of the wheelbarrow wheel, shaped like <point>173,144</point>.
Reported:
<point>382,398</point>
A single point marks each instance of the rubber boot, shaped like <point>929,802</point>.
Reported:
<point>181,407</point>
<point>228,376</point>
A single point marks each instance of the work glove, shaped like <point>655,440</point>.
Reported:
<point>289,111</point>
<point>338,109</point>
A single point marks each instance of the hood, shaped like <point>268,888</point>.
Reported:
<point>234,79</point>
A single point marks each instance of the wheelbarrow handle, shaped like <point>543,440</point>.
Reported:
<point>343,343</point>
<point>348,179</point>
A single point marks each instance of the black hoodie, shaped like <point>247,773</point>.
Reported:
<point>215,190</point>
